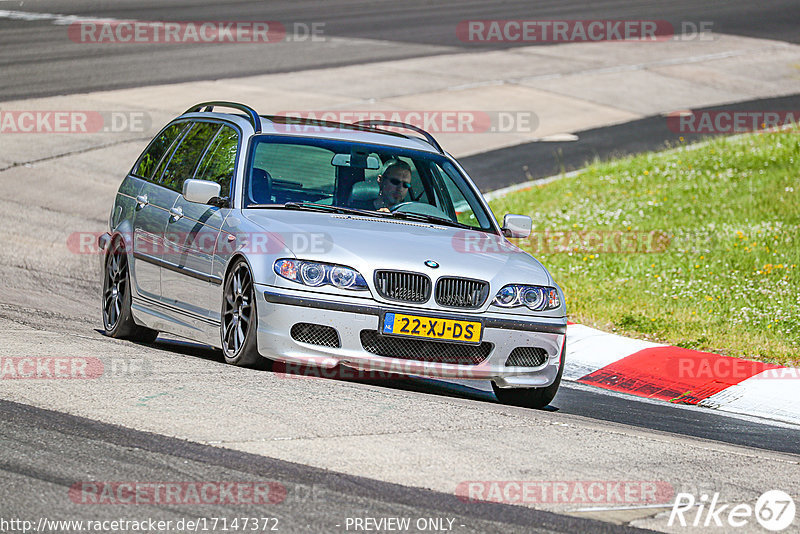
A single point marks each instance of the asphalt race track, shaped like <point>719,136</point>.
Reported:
<point>531,161</point>
<point>316,498</point>
<point>36,62</point>
<point>341,449</point>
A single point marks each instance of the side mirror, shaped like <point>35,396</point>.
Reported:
<point>200,191</point>
<point>517,225</point>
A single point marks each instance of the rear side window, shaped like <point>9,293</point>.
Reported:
<point>187,155</point>
<point>149,160</point>
<point>219,163</point>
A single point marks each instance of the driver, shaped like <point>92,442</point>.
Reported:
<point>394,182</point>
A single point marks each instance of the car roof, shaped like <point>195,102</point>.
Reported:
<point>310,128</point>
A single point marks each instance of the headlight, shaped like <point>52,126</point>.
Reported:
<point>506,297</point>
<point>532,297</point>
<point>311,273</point>
<point>536,298</point>
<point>343,277</point>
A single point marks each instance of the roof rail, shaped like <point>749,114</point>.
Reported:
<point>255,120</point>
<point>395,124</point>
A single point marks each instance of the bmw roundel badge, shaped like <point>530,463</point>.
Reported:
<point>432,264</point>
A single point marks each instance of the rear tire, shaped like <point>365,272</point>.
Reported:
<point>239,324</point>
<point>536,398</point>
<point>116,299</point>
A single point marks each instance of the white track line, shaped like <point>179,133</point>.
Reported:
<point>55,18</point>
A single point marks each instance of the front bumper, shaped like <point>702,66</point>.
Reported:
<point>280,309</point>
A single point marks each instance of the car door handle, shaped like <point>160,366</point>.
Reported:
<point>141,201</point>
<point>176,213</point>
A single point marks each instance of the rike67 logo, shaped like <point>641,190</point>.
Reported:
<point>774,510</point>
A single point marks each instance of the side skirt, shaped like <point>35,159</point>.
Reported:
<point>165,318</point>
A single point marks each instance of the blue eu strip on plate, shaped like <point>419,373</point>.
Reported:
<point>388,323</point>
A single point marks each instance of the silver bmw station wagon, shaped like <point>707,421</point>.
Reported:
<point>327,244</point>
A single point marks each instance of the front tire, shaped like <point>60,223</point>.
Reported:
<point>536,398</point>
<point>239,325</point>
<point>116,299</point>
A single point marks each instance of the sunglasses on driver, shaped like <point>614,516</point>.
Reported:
<point>395,182</point>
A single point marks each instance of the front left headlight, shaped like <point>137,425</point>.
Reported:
<point>314,274</point>
<point>536,298</point>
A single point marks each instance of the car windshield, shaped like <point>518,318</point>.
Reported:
<point>356,176</point>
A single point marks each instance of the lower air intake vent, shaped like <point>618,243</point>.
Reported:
<point>424,351</point>
<point>527,357</point>
<point>316,334</point>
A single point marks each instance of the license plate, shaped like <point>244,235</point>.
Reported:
<point>400,324</point>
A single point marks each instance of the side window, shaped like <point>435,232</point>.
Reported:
<point>186,156</point>
<point>454,198</point>
<point>219,163</point>
<point>149,160</point>
<point>463,210</point>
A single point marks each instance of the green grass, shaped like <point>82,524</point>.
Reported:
<point>719,225</point>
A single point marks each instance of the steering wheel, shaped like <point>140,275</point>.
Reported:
<point>397,207</point>
<point>421,208</point>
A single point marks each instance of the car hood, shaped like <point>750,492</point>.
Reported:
<point>371,243</point>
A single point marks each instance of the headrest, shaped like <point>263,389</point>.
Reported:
<point>365,191</point>
<point>261,186</point>
<point>260,174</point>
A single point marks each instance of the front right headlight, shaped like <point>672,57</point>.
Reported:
<point>536,298</point>
<point>315,274</point>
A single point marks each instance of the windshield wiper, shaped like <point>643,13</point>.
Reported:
<point>429,218</point>
<point>313,206</point>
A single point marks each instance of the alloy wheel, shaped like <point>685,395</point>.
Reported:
<point>114,287</point>
<point>237,309</point>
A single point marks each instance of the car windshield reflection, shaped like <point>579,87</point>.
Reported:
<point>305,173</point>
